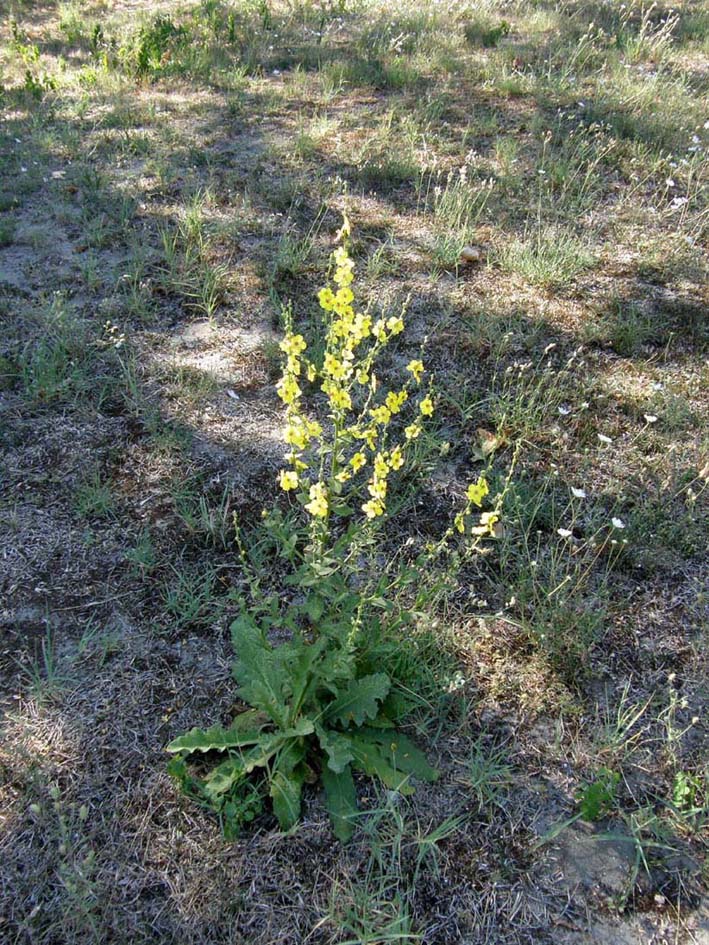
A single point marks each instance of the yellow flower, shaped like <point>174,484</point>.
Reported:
<point>477,491</point>
<point>296,435</point>
<point>362,326</point>
<point>459,522</point>
<point>294,460</point>
<point>343,476</point>
<point>370,437</point>
<point>311,372</point>
<point>379,329</point>
<point>381,467</point>
<point>333,367</point>
<point>426,407</point>
<point>326,298</point>
<point>412,431</point>
<point>416,368</point>
<point>395,401</point>
<point>341,256</point>
<point>293,344</point>
<point>339,397</point>
<point>381,414</point>
<point>288,389</point>
<point>488,520</point>
<point>357,461</point>
<point>362,377</point>
<point>288,479</point>
<point>344,296</point>
<point>373,508</point>
<point>395,324</point>
<point>318,505</point>
<point>396,458</point>
<point>377,488</point>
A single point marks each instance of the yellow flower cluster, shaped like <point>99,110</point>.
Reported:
<point>318,505</point>
<point>475,494</point>
<point>377,485</point>
<point>345,368</point>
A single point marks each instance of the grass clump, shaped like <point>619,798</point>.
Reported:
<point>547,257</point>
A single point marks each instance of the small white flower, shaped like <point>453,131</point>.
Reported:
<point>649,418</point>
<point>617,523</point>
<point>564,532</point>
<point>604,439</point>
<point>564,411</point>
<point>669,182</point>
<point>578,493</point>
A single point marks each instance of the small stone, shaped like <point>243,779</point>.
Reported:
<point>470,255</point>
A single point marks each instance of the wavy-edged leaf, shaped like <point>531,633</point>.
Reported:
<point>399,751</point>
<point>340,801</point>
<point>287,779</point>
<point>368,757</point>
<point>244,730</point>
<point>359,700</point>
<point>261,676</point>
<point>392,757</point>
<point>338,748</point>
<point>239,765</point>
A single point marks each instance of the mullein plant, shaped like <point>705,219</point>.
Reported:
<point>320,706</point>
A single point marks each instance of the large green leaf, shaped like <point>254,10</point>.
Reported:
<point>244,730</point>
<point>287,777</point>
<point>337,746</point>
<point>399,751</point>
<point>368,757</point>
<point>299,666</point>
<point>392,757</point>
<point>340,801</point>
<point>262,677</point>
<point>359,700</point>
<point>239,765</point>
<point>223,777</point>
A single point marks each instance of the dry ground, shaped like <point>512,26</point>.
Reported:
<point>172,174</point>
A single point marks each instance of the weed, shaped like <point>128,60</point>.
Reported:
<point>486,32</point>
<point>190,600</point>
<point>94,498</point>
<point>626,328</point>
<point>546,257</point>
<point>142,555</point>
<point>598,797</point>
<point>45,678</point>
<point>76,866</point>
<point>61,363</point>
<point>7,231</point>
<point>487,774</point>
<point>320,699</point>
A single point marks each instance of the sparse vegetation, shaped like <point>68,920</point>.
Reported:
<point>527,181</point>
